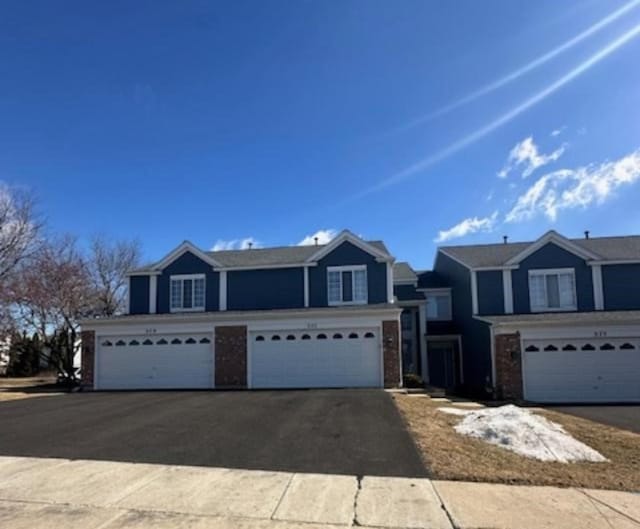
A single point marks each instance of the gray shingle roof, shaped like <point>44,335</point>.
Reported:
<point>608,248</point>
<point>402,271</point>
<point>256,257</point>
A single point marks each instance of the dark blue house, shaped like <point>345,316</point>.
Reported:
<point>298,316</point>
<point>553,320</point>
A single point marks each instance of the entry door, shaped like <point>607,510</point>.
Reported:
<point>443,363</point>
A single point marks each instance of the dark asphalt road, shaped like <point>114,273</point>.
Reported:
<point>325,431</point>
<point>622,416</point>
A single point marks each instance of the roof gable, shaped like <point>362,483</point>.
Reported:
<point>183,248</point>
<point>347,236</point>
<point>554,237</point>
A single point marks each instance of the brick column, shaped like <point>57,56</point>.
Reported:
<point>508,366</point>
<point>391,353</point>
<point>88,340</point>
<point>231,356</point>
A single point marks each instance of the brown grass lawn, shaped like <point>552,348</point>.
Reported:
<point>27,387</point>
<point>452,456</point>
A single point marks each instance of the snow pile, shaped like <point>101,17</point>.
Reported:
<point>523,432</point>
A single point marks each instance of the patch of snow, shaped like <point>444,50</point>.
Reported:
<point>523,432</point>
<point>453,411</point>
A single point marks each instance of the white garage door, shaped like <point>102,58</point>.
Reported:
<point>316,359</point>
<point>596,370</point>
<point>169,361</point>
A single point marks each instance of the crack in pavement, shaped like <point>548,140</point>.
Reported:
<point>354,521</point>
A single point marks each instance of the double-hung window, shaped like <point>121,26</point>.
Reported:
<point>552,290</point>
<point>187,293</point>
<point>347,285</point>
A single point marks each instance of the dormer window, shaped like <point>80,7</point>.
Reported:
<point>347,285</point>
<point>187,293</point>
<point>552,290</point>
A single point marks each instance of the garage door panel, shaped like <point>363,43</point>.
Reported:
<point>316,362</point>
<point>586,370</point>
<point>163,362</point>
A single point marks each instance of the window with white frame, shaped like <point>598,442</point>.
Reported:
<point>438,305</point>
<point>187,293</point>
<point>347,285</point>
<point>551,290</point>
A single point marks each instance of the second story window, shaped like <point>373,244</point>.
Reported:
<point>438,305</point>
<point>552,290</point>
<point>347,285</point>
<point>187,293</point>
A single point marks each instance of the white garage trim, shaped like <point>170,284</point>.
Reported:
<point>155,361</point>
<point>313,361</point>
<point>582,369</point>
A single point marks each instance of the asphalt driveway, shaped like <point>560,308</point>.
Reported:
<point>353,432</point>
<point>622,416</point>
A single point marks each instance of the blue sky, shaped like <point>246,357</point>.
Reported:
<point>222,121</point>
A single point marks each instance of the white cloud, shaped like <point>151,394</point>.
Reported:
<point>557,132</point>
<point>324,236</point>
<point>236,244</point>
<point>527,154</point>
<point>467,226</point>
<point>575,188</point>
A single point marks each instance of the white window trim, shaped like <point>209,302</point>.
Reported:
<point>349,268</point>
<point>553,271</point>
<point>183,277</point>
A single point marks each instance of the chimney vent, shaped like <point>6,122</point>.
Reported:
<point>586,234</point>
<point>505,239</point>
<point>315,239</point>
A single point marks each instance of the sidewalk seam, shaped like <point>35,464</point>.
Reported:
<point>443,506</point>
<point>284,492</point>
<point>596,500</point>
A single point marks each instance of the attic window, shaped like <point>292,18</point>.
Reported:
<point>552,290</point>
<point>347,285</point>
<point>187,293</point>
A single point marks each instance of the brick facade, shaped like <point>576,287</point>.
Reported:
<point>231,356</point>
<point>508,366</point>
<point>88,339</point>
<point>391,353</point>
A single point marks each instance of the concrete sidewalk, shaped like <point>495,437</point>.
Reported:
<point>37,492</point>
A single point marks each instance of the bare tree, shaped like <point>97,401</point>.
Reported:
<point>19,237</point>
<point>19,228</point>
<point>109,263</point>
<point>49,294</point>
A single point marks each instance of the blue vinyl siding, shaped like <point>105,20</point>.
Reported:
<point>344,255</point>
<point>475,335</point>
<point>621,286</point>
<point>139,295</point>
<point>279,288</point>
<point>490,292</point>
<point>188,263</point>
<point>552,256</point>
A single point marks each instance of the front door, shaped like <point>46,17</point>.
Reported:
<point>443,363</point>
